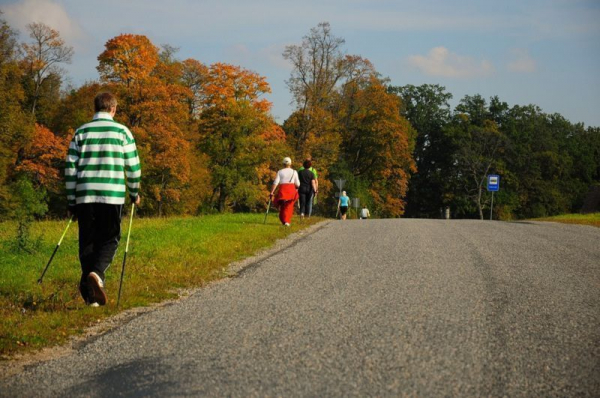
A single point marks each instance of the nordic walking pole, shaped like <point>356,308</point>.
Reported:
<point>268,207</point>
<point>125,255</point>
<point>55,250</point>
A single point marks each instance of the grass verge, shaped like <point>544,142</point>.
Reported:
<point>583,219</point>
<point>165,255</point>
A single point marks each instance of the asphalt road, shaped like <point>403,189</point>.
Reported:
<point>366,308</point>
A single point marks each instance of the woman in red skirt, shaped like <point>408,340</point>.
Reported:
<point>288,182</point>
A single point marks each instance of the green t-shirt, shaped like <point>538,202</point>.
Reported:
<point>311,169</point>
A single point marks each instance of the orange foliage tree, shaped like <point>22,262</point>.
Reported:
<point>348,123</point>
<point>127,59</point>
<point>377,143</point>
<point>239,136</point>
<point>153,105</point>
<point>43,158</point>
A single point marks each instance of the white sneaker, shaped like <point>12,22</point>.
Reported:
<point>97,287</point>
<point>94,305</point>
<point>287,224</point>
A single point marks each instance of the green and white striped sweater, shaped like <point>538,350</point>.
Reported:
<point>102,160</point>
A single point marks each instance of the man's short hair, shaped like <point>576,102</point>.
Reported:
<point>307,164</point>
<point>104,102</point>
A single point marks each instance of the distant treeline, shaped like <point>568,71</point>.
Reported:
<point>208,142</point>
<point>546,163</point>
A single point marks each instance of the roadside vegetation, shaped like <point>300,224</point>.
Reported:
<point>208,142</point>
<point>165,256</point>
<point>583,219</point>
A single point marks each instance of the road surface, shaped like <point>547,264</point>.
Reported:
<point>366,308</point>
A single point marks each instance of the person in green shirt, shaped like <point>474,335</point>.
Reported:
<point>101,169</point>
<point>309,203</point>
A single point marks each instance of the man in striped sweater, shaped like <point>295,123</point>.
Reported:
<point>102,161</point>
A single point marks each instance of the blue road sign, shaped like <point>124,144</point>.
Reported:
<point>493,183</point>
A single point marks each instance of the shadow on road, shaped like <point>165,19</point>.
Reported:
<point>140,378</point>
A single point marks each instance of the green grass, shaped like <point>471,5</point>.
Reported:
<point>164,255</point>
<point>584,219</point>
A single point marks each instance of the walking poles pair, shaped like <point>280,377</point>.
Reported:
<point>124,256</point>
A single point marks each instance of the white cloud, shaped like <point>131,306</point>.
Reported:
<point>21,13</point>
<point>441,62</point>
<point>522,61</point>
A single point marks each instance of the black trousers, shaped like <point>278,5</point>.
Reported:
<point>99,235</point>
<point>305,202</point>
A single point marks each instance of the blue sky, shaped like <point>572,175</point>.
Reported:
<point>543,52</point>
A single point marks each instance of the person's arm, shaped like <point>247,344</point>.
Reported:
<point>275,183</point>
<point>133,170</point>
<point>296,179</point>
<point>71,175</point>
<point>314,185</point>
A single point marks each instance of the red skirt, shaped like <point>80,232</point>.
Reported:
<point>286,197</point>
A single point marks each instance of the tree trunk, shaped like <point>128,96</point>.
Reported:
<point>222,199</point>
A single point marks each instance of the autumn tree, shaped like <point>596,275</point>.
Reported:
<point>343,119</point>
<point>43,158</point>
<point>153,104</point>
<point>377,143</point>
<point>239,136</point>
<point>76,108</point>
<point>320,70</point>
<point>127,59</point>
<point>194,77</point>
<point>318,66</point>
<point>43,55</point>
<point>16,125</point>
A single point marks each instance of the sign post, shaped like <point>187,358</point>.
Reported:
<point>493,185</point>
<point>356,203</point>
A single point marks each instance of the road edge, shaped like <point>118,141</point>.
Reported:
<point>22,362</point>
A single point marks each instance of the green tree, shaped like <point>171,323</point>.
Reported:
<point>29,203</point>
<point>16,125</point>
<point>549,165</point>
<point>479,149</point>
<point>426,108</point>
